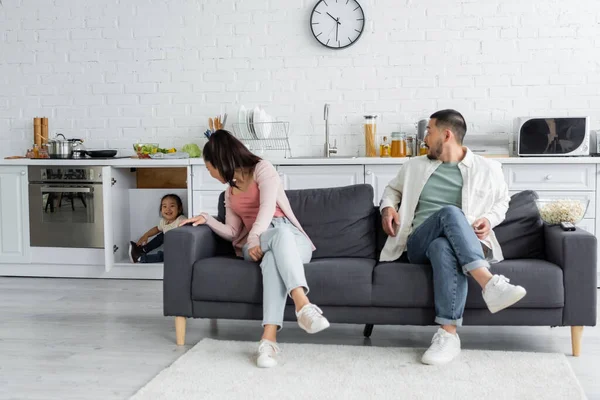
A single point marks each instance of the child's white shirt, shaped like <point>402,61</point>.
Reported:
<point>164,227</point>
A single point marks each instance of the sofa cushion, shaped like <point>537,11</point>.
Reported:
<point>521,234</point>
<point>339,221</point>
<point>333,281</point>
<point>397,284</point>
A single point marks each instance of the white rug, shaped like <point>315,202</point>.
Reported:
<point>216,369</point>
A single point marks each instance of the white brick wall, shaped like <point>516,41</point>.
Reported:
<point>117,72</point>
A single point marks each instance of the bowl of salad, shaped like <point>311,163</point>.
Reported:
<point>144,150</point>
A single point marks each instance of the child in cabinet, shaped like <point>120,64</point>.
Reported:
<point>171,213</point>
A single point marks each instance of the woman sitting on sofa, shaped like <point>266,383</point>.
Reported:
<point>262,226</point>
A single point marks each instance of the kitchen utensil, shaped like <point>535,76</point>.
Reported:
<point>62,148</point>
<point>210,125</point>
<point>224,119</point>
<point>103,153</point>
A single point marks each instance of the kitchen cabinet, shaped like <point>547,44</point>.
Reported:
<point>116,183</point>
<point>14,215</point>
<point>379,176</point>
<point>130,212</point>
<point>317,176</point>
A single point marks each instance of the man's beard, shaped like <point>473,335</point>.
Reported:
<point>435,152</point>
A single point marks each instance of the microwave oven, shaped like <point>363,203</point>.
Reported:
<point>552,136</point>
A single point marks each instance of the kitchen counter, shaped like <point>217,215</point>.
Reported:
<point>140,163</point>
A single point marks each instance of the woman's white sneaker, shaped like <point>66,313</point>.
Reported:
<point>499,294</point>
<point>311,319</point>
<point>444,348</point>
<point>267,354</point>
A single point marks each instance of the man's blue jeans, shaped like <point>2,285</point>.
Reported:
<point>448,242</point>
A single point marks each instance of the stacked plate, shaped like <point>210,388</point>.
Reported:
<point>254,123</point>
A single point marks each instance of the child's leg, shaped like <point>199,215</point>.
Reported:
<point>154,244</point>
<point>152,258</point>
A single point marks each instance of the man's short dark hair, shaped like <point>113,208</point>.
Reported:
<point>453,120</point>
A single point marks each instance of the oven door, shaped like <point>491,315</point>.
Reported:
<point>66,215</point>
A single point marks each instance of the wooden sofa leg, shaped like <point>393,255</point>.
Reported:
<point>368,330</point>
<point>180,330</point>
<point>576,333</point>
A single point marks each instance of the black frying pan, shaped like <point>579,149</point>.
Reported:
<point>101,153</point>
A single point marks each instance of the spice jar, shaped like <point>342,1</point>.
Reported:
<point>370,132</point>
<point>384,148</point>
<point>398,144</point>
<point>410,146</point>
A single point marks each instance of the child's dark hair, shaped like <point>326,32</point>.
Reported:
<point>226,153</point>
<point>177,200</point>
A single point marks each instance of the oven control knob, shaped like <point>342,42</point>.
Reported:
<point>584,148</point>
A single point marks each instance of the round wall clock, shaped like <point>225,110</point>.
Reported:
<point>337,24</point>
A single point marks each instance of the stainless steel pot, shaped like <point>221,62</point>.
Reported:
<point>62,148</point>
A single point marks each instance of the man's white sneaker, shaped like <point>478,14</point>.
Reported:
<point>499,294</point>
<point>310,319</point>
<point>267,354</point>
<point>444,348</point>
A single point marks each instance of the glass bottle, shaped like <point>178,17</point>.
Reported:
<point>370,132</point>
<point>384,148</point>
<point>422,148</point>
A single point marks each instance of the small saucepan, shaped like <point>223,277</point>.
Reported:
<point>62,148</point>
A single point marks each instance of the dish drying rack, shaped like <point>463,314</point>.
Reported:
<point>264,136</point>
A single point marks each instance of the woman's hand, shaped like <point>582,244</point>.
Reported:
<point>143,240</point>
<point>255,253</point>
<point>199,220</point>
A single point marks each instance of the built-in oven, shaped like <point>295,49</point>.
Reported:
<point>65,206</point>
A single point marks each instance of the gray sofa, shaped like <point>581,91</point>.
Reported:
<point>203,278</point>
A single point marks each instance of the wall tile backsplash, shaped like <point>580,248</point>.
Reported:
<point>115,72</point>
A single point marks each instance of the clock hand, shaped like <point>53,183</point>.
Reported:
<point>336,31</point>
<point>336,20</point>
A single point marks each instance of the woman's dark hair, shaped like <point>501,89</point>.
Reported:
<point>177,200</point>
<point>226,153</point>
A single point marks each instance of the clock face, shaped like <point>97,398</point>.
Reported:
<point>337,23</point>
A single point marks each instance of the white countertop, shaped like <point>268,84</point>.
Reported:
<point>140,163</point>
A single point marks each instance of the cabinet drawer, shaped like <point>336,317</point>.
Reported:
<point>588,225</point>
<point>550,176</point>
<point>205,201</point>
<point>201,180</point>
<point>557,195</point>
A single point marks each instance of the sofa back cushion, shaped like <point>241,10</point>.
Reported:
<point>521,234</point>
<point>339,221</point>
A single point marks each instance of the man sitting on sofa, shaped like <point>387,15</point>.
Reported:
<point>449,201</point>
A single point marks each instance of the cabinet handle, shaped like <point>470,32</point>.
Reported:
<point>548,177</point>
<point>22,172</point>
<point>369,172</point>
<point>281,174</point>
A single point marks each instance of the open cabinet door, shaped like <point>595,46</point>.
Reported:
<point>190,193</point>
<point>109,237</point>
<point>116,183</point>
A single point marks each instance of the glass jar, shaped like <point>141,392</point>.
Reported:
<point>423,148</point>
<point>398,144</point>
<point>370,133</point>
<point>410,146</point>
<point>384,147</point>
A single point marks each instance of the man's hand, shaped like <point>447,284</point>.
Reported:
<point>482,228</point>
<point>199,220</point>
<point>255,253</point>
<point>143,240</point>
<point>390,220</point>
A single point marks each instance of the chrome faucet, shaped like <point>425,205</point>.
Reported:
<point>328,149</point>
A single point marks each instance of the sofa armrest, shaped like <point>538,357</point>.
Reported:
<point>183,247</point>
<point>575,252</point>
